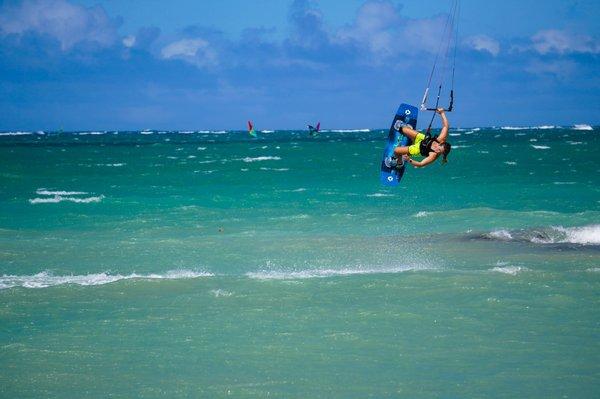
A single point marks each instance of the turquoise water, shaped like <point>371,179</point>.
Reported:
<point>211,264</point>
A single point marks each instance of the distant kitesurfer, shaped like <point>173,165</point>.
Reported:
<point>314,131</point>
<point>423,145</point>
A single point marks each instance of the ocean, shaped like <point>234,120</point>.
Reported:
<point>212,264</point>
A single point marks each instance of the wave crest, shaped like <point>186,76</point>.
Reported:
<point>582,235</point>
<point>47,279</point>
<point>323,273</point>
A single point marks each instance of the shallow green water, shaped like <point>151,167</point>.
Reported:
<point>215,265</point>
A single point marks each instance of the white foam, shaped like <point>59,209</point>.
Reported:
<point>582,126</point>
<point>291,217</point>
<point>380,195</point>
<point>324,273</point>
<point>348,130</point>
<point>59,198</point>
<point>512,270</point>
<point>46,279</point>
<point>545,127</point>
<point>540,147</point>
<point>116,165</point>
<point>276,169</point>
<point>510,162</point>
<point>501,235</point>
<point>421,214</point>
<point>561,183</point>
<point>186,131</point>
<point>221,293</point>
<point>581,235</point>
<point>514,128</point>
<point>267,131</point>
<point>574,142</point>
<point>15,134</point>
<point>43,191</point>
<point>258,159</point>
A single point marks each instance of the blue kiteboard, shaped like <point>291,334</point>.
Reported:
<point>390,174</point>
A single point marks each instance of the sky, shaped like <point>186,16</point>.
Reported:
<point>214,64</point>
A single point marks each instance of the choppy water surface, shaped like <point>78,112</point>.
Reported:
<point>212,264</point>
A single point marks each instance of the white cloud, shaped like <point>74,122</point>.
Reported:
<point>68,23</point>
<point>483,43</point>
<point>129,41</point>
<point>562,68</point>
<point>380,28</point>
<point>561,42</point>
<point>195,51</point>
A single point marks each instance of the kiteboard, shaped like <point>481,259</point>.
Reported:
<point>392,169</point>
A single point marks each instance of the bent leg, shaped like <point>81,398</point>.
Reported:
<point>399,151</point>
<point>409,132</point>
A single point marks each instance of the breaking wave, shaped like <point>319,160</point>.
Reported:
<point>46,279</point>
<point>56,196</point>
<point>257,159</point>
<point>583,235</point>
<point>582,126</point>
<point>324,273</point>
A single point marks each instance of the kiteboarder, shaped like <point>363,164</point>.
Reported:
<point>425,145</point>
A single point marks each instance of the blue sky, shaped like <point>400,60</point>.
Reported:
<point>85,64</point>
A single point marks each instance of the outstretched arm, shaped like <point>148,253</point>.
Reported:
<point>419,164</point>
<point>444,133</point>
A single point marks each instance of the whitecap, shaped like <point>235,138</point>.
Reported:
<point>512,270</point>
<point>380,195</point>
<point>348,130</point>
<point>540,147</point>
<point>581,235</point>
<point>43,191</point>
<point>15,134</point>
<point>221,293</point>
<point>47,279</point>
<point>503,235</point>
<point>582,126</point>
<point>263,158</point>
<point>324,273</point>
<point>58,198</point>
<point>276,169</point>
<point>421,214</point>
